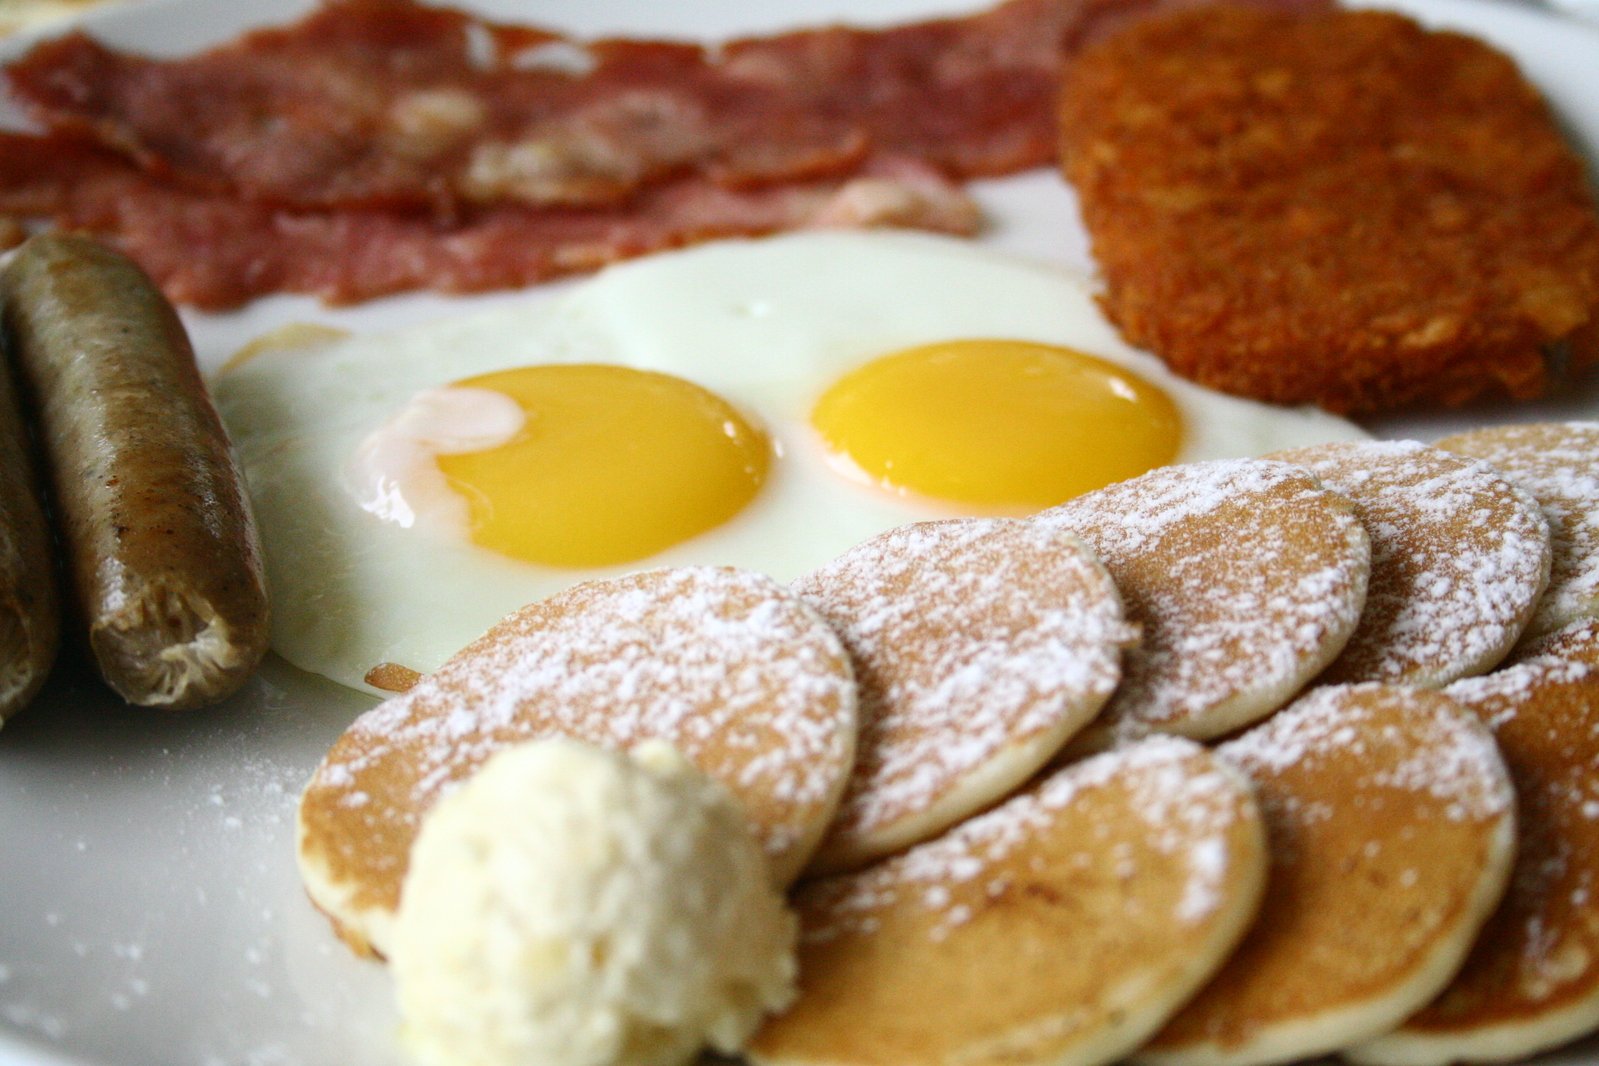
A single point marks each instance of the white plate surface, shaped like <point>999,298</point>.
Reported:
<point>149,908</point>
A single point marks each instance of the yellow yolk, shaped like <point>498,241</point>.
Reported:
<point>1000,425</point>
<point>611,465</point>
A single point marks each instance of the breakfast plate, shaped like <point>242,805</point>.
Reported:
<point>152,911</point>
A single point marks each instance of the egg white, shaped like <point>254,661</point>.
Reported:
<point>767,324</point>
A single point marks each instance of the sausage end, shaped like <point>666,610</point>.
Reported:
<point>165,648</point>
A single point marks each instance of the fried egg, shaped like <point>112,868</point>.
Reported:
<point>758,403</point>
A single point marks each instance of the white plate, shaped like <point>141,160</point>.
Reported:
<point>149,908</point>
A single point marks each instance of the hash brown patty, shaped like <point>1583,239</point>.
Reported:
<point>1337,207</point>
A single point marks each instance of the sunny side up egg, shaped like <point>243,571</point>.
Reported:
<point>759,403</point>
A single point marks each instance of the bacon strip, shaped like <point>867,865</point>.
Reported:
<point>216,251</point>
<point>389,102</point>
<point>380,146</point>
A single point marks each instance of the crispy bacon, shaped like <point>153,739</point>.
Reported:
<point>388,102</point>
<point>216,251</point>
<point>378,146</point>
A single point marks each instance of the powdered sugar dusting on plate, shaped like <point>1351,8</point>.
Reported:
<point>1181,802</point>
<point>1246,575</point>
<point>1459,557</point>
<point>970,637</point>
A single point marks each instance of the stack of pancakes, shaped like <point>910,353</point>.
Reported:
<point>1216,765</point>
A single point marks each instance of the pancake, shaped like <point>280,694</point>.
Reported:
<point>1061,927</point>
<point>1459,558</point>
<point>1531,981</point>
<point>1247,577</point>
<point>729,667</point>
<point>1578,643</point>
<point>1391,825</point>
<point>980,646</point>
<point>1555,462</point>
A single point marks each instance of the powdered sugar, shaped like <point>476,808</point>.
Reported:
<point>1500,695</point>
<point>739,675</point>
<point>1558,463</point>
<point>1540,955</point>
<point>1545,712</point>
<point>1577,642</point>
<point>1180,802</point>
<point>1165,499</point>
<point>1400,738</point>
<point>970,637</point>
<point>1459,557</point>
<point>1246,575</point>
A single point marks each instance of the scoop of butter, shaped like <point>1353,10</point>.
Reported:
<point>576,906</point>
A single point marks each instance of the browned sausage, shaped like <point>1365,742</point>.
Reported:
<point>30,612</point>
<point>165,565</point>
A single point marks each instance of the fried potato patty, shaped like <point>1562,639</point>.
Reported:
<point>1338,208</point>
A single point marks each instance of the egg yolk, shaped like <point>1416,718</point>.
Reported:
<point>999,425</point>
<point>611,465</point>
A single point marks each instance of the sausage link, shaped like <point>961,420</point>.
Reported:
<point>30,609</point>
<point>162,549</point>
